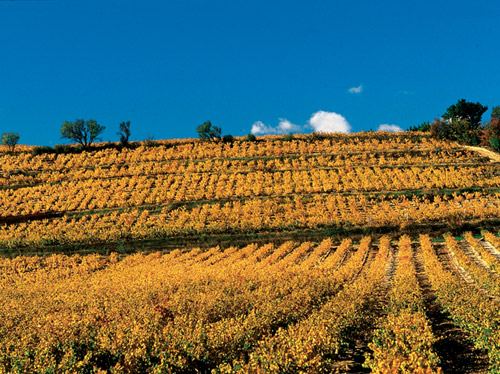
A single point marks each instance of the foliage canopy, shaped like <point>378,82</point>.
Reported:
<point>465,110</point>
<point>207,131</point>
<point>10,139</point>
<point>82,132</point>
<point>124,132</point>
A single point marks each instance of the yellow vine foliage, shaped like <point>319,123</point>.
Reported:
<point>164,312</point>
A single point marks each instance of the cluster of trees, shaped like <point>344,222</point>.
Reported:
<point>86,132</point>
<point>207,131</point>
<point>80,131</point>
<point>462,122</point>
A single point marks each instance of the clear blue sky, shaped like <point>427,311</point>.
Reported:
<point>168,66</point>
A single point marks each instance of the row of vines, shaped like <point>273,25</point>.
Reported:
<point>254,215</point>
<point>99,193</point>
<point>296,307</point>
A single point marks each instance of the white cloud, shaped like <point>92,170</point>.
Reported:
<point>283,127</point>
<point>356,90</point>
<point>322,121</point>
<point>259,128</point>
<point>390,128</point>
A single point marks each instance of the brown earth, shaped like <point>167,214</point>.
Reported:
<point>493,156</point>
<point>454,347</point>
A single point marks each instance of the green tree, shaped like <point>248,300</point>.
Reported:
<point>425,126</point>
<point>207,131</point>
<point>228,138</point>
<point>455,129</point>
<point>82,132</point>
<point>10,139</point>
<point>495,112</point>
<point>251,137</point>
<point>124,132</point>
<point>495,142</point>
<point>465,110</point>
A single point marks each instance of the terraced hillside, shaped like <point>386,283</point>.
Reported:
<point>323,254</point>
<point>363,183</point>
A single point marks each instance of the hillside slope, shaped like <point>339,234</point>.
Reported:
<point>180,191</point>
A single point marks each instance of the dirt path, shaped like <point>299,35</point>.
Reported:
<point>494,157</point>
<point>355,356</point>
<point>447,256</point>
<point>450,262</point>
<point>472,253</point>
<point>457,352</point>
<point>490,247</point>
<point>390,269</point>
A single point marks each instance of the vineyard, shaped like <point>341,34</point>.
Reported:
<point>326,254</point>
<point>178,191</point>
<point>296,307</point>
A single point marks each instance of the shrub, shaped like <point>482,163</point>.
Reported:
<point>41,150</point>
<point>316,136</point>
<point>60,149</point>
<point>228,138</point>
<point>495,142</point>
<point>251,137</point>
<point>149,141</point>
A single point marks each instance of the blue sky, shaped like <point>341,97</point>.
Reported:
<point>168,66</point>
